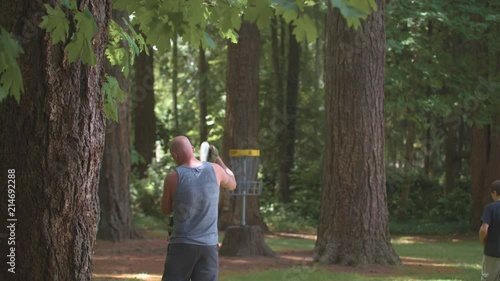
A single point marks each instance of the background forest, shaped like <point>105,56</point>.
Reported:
<point>442,92</point>
<point>381,112</point>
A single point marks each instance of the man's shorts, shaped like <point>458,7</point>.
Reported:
<point>491,269</point>
<point>191,262</point>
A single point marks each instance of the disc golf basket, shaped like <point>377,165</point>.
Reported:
<point>245,240</point>
<point>245,165</point>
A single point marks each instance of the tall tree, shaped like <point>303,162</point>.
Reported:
<point>175,80</point>
<point>242,109</point>
<point>143,103</point>
<point>485,168</point>
<point>203,93</point>
<point>53,139</point>
<point>114,185</point>
<point>287,144</point>
<point>408,166</point>
<point>354,225</point>
<point>485,138</point>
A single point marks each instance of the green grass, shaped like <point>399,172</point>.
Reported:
<point>450,260</point>
<point>295,274</point>
<point>282,243</point>
<point>457,260</point>
<point>153,225</point>
<point>417,227</point>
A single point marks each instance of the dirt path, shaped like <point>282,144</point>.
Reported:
<point>144,259</point>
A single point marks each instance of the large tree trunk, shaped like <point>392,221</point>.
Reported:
<point>408,166</point>
<point>242,107</point>
<point>485,140</point>
<point>485,168</point>
<point>175,86</point>
<point>54,140</point>
<point>354,227</point>
<point>114,185</point>
<point>287,143</point>
<point>203,94</point>
<point>452,158</point>
<point>144,110</point>
<point>277,101</point>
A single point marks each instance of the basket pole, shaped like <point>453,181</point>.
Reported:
<point>245,175</point>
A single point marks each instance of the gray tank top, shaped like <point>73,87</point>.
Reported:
<point>195,205</point>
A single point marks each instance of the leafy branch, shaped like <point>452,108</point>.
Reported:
<point>11,80</point>
<point>56,23</point>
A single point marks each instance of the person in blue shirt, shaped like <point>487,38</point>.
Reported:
<point>489,236</point>
<point>191,192</point>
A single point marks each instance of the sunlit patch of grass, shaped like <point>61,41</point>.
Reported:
<point>126,277</point>
<point>424,258</point>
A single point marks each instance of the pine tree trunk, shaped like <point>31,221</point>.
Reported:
<point>485,168</point>
<point>114,185</point>
<point>175,86</point>
<point>408,166</point>
<point>287,143</point>
<point>144,110</point>
<point>451,163</point>
<point>485,140</point>
<point>242,109</point>
<point>354,227</point>
<point>203,91</point>
<point>54,140</point>
<point>278,104</point>
<point>427,151</point>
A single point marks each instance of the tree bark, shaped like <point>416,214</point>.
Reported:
<point>203,94</point>
<point>114,185</point>
<point>175,86</point>
<point>287,143</point>
<point>354,227</point>
<point>278,103</point>
<point>245,242</point>
<point>54,141</point>
<point>428,152</point>
<point>408,166</point>
<point>485,140</point>
<point>452,159</point>
<point>144,111</point>
<point>485,168</point>
<point>242,109</point>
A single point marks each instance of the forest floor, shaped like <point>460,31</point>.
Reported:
<point>144,259</point>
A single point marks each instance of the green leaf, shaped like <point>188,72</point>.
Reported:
<point>111,109</point>
<point>70,4</point>
<point>112,92</point>
<point>159,34</point>
<point>196,14</point>
<point>11,80</point>
<point>208,42</point>
<point>88,55</point>
<point>86,23</point>
<point>305,29</point>
<point>289,15</point>
<point>355,10</point>
<point>74,48</point>
<point>285,4</point>
<point>260,12</point>
<point>56,23</point>
<point>81,44</point>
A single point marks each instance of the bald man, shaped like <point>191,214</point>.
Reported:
<point>191,191</point>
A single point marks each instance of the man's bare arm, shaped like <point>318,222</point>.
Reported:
<point>228,180</point>
<point>169,187</point>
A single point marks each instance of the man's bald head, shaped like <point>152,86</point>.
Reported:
<point>181,149</point>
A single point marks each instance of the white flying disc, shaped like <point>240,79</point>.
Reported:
<point>204,151</point>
